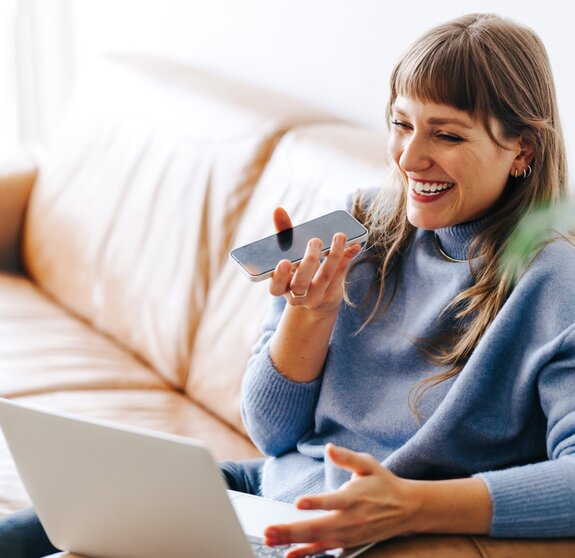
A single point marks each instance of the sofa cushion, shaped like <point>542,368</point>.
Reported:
<point>139,193</point>
<point>470,546</point>
<point>17,176</point>
<point>44,348</point>
<point>313,170</point>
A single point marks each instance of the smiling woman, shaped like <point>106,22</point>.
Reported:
<point>411,387</point>
<point>427,307</point>
<point>461,120</point>
<point>451,161</point>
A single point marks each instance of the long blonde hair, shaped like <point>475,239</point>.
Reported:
<point>492,68</point>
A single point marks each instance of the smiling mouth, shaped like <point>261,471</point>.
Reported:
<point>430,188</point>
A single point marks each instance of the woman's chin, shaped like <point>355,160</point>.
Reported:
<point>426,222</point>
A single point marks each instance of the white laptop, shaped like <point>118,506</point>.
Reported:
<point>109,491</point>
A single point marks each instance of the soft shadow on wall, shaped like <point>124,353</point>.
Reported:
<point>334,53</point>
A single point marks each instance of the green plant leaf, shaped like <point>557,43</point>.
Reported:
<point>535,228</point>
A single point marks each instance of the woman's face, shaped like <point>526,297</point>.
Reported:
<point>455,172</point>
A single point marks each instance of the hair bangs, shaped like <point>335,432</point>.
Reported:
<point>440,70</point>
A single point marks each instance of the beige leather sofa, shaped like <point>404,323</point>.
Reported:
<point>117,297</point>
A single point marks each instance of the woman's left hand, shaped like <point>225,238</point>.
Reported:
<point>373,505</point>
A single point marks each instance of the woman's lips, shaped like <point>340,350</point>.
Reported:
<point>428,190</point>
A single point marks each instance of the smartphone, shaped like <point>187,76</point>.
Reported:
<point>259,259</point>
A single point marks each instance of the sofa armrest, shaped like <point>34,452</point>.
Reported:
<point>17,177</point>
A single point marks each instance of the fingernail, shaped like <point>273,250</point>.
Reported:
<point>336,450</point>
<point>272,539</point>
<point>303,504</point>
<point>271,534</point>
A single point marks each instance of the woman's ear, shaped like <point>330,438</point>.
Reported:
<point>526,155</point>
<point>524,159</point>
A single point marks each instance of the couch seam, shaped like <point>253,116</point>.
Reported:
<point>478,547</point>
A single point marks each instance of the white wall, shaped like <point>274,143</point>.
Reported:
<point>8,103</point>
<point>335,53</point>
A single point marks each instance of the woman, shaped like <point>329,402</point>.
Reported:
<point>487,445</point>
<point>450,387</point>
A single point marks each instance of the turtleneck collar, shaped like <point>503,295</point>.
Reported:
<point>454,241</point>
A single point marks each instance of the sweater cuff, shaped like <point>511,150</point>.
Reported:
<point>285,403</point>
<point>533,501</point>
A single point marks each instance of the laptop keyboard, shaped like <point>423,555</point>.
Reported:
<point>260,550</point>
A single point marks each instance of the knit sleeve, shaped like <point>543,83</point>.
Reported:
<point>276,411</point>
<point>538,500</point>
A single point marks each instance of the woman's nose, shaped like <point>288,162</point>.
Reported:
<point>415,155</point>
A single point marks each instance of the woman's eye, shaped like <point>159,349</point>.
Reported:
<point>399,124</point>
<point>449,138</point>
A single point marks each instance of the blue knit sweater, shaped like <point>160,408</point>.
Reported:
<point>508,417</point>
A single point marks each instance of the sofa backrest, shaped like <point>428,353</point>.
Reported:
<point>17,178</point>
<point>139,194</point>
<point>312,171</point>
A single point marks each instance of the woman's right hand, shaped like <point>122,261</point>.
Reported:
<point>313,284</point>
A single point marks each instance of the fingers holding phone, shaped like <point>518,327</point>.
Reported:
<point>294,278</point>
<point>327,284</point>
<point>300,284</point>
<point>315,283</point>
<point>293,256</point>
<point>311,281</point>
<point>310,278</point>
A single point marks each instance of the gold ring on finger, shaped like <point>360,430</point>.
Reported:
<point>296,296</point>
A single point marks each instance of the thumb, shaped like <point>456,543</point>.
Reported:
<point>361,464</point>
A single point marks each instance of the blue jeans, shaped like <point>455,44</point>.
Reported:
<point>22,534</point>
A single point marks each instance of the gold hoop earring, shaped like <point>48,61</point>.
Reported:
<point>527,172</point>
<point>515,173</point>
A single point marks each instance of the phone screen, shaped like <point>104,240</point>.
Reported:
<point>260,258</point>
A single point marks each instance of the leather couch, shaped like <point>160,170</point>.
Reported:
<point>117,296</point>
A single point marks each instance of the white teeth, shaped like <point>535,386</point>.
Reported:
<point>429,188</point>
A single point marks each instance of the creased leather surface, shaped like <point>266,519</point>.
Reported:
<point>17,177</point>
<point>143,185</point>
<point>312,171</point>
<point>44,348</point>
<point>428,546</point>
<point>455,546</point>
